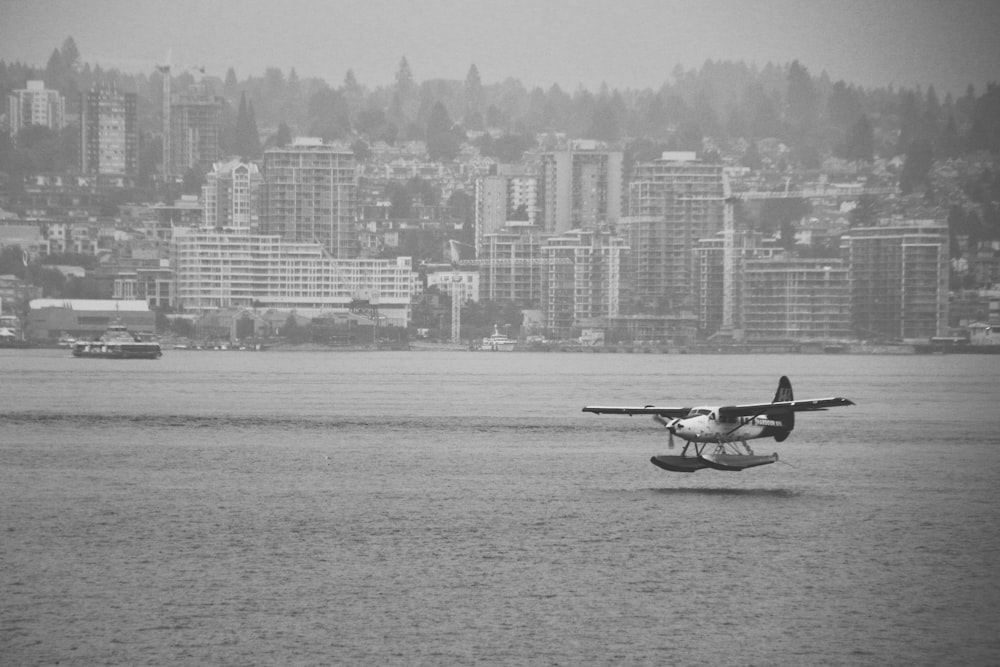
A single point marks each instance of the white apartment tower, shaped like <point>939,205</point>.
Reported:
<point>310,195</point>
<point>35,105</point>
<point>231,196</point>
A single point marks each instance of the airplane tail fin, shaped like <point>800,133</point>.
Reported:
<point>784,392</point>
<point>787,418</point>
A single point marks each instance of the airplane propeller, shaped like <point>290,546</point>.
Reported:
<point>669,425</point>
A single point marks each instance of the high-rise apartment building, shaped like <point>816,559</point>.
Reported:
<point>509,267</point>
<point>511,194</point>
<point>673,202</point>
<point>310,195</point>
<point>898,279</point>
<point>231,196</point>
<point>583,278</point>
<point>109,132</point>
<point>195,129</point>
<point>719,306</point>
<point>35,105</point>
<point>580,188</point>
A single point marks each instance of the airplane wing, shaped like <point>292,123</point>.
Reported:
<point>644,410</point>
<point>807,405</point>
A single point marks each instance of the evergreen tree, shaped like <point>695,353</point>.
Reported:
<point>443,138</point>
<point>605,123</point>
<point>402,94</point>
<point>949,143</point>
<point>802,104</point>
<point>843,107</point>
<point>916,167</point>
<point>55,68</point>
<point>860,141</point>
<point>231,84</point>
<point>909,121</point>
<point>70,54</point>
<point>253,138</point>
<point>283,136</point>
<point>351,83</point>
<point>763,120</point>
<point>473,94</point>
<point>247,143</point>
<point>329,115</point>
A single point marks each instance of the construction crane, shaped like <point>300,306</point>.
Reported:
<point>728,198</point>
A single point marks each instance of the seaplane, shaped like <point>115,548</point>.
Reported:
<point>716,436</point>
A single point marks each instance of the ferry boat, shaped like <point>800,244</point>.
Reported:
<point>117,343</point>
<point>498,342</point>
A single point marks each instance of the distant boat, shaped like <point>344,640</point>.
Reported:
<point>117,343</point>
<point>498,342</point>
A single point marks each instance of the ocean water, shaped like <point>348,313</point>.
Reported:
<point>446,508</point>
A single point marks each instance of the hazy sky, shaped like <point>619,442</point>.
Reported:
<point>627,43</point>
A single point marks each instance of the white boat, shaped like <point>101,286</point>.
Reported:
<point>498,342</point>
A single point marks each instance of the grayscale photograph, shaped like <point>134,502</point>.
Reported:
<point>499,332</point>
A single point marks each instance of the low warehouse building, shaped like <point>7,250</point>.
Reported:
<point>85,319</point>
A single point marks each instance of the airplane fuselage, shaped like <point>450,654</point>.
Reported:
<point>704,425</point>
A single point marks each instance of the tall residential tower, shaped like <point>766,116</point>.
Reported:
<point>673,202</point>
<point>581,188</point>
<point>109,133</point>
<point>231,196</point>
<point>195,128</point>
<point>35,105</point>
<point>310,194</point>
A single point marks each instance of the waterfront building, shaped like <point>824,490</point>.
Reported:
<point>583,279</point>
<point>511,267</point>
<point>109,133</point>
<point>48,319</point>
<point>195,128</point>
<point>464,284</point>
<point>35,105</point>
<point>581,187</point>
<point>310,195</point>
<point>231,196</point>
<point>673,202</point>
<point>215,270</point>
<point>787,298</point>
<point>713,313</point>
<point>507,195</point>
<point>898,279</point>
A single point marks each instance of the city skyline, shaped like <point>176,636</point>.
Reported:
<point>635,44</point>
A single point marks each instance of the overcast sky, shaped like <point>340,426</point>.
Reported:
<point>626,43</point>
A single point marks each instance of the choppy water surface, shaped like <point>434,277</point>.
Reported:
<point>458,508</point>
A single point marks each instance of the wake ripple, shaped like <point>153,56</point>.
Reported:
<point>297,422</point>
